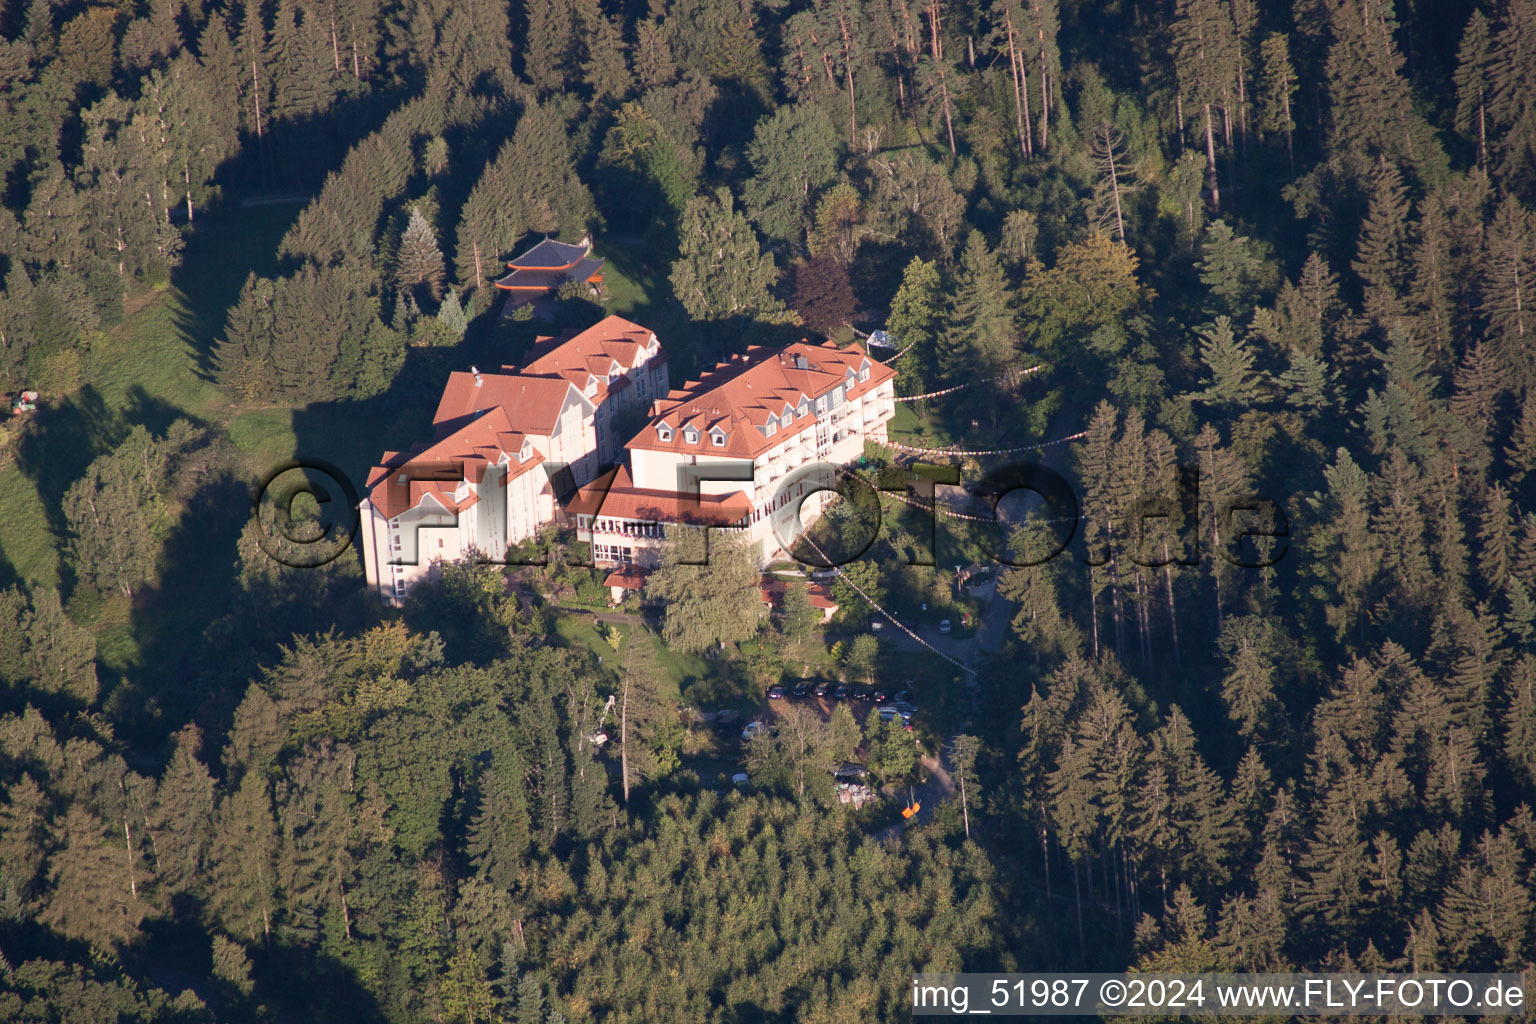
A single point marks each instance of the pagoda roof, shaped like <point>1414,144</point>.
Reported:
<point>550,255</point>
<point>547,279</point>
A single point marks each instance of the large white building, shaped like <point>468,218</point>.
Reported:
<point>508,446</point>
<point>738,448</point>
<point>527,446</point>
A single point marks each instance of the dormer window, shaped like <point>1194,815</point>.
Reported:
<point>526,453</point>
<point>789,413</point>
<point>690,435</point>
<point>663,431</point>
<point>805,407</point>
<point>773,426</point>
<point>718,436</point>
<point>591,386</point>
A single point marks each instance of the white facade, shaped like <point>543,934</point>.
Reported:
<point>472,518</point>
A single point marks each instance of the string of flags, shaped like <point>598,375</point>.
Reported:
<point>944,510</point>
<point>888,361</point>
<point>951,450</point>
<point>805,535</point>
<point>949,391</point>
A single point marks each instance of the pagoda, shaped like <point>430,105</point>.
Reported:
<point>544,268</point>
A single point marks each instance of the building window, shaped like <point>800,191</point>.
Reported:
<point>665,432</point>
<point>805,407</point>
<point>719,440</point>
<point>691,436</point>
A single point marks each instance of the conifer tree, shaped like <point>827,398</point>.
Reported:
<point>1472,83</point>
<point>61,656</point>
<point>977,337</point>
<point>549,56</point>
<point>1277,86</point>
<point>603,51</point>
<point>1508,270</point>
<point>242,881</point>
<point>1379,260</point>
<point>1204,54</point>
<point>23,834</point>
<point>1521,450</point>
<point>97,890</point>
<point>419,261</point>
<point>1229,364</point>
<point>181,818</point>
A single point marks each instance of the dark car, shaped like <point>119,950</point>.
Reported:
<point>904,696</point>
<point>863,692</point>
<point>802,690</point>
<point>881,696</point>
<point>840,691</point>
<point>775,692</point>
<point>822,689</point>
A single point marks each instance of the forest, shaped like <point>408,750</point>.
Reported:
<point>1287,249</point>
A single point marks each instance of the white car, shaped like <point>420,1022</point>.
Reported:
<point>752,729</point>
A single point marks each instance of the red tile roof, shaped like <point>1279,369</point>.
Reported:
<point>436,470</point>
<point>737,397</point>
<point>773,593</point>
<point>630,577</point>
<point>532,404</point>
<point>614,495</point>
<point>592,353</point>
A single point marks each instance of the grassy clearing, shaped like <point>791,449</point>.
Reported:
<point>28,548</point>
<point>624,295</point>
<point>906,426</point>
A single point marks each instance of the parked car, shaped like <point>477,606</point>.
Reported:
<point>890,714</point>
<point>752,729</point>
<point>802,690</point>
<point>945,626</point>
<point>822,689</point>
<point>863,692</point>
<point>840,691</point>
<point>876,625</point>
<point>904,710</point>
<point>775,692</point>
<point>903,696</point>
<point>881,696</point>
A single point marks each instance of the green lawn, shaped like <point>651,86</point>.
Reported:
<point>26,541</point>
<point>624,295</point>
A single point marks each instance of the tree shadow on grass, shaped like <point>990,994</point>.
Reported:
<point>60,442</point>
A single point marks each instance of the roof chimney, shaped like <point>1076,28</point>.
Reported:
<point>479,380</point>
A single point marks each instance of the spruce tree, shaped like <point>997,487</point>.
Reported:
<point>977,337</point>
<point>1473,61</point>
<point>181,818</point>
<point>419,261</point>
<point>1229,364</point>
